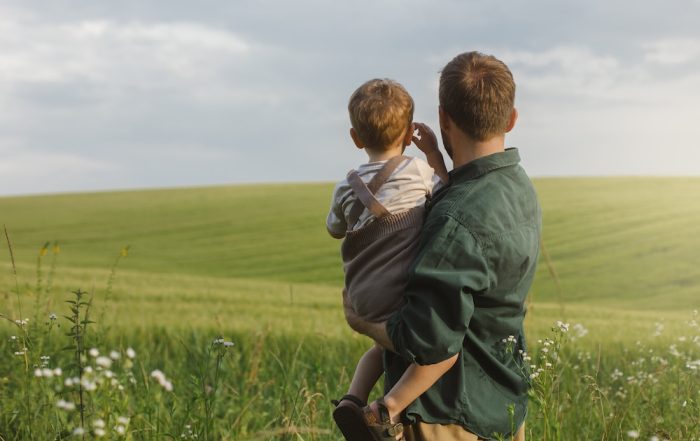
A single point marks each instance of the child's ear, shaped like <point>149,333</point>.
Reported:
<point>408,137</point>
<point>513,119</point>
<point>356,139</point>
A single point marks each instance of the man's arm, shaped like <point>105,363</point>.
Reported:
<point>448,272</point>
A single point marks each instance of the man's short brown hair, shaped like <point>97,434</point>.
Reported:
<point>380,111</point>
<point>477,92</point>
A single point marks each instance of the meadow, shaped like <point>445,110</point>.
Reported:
<point>231,296</point>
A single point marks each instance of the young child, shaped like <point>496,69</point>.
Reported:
<point>378,209</point>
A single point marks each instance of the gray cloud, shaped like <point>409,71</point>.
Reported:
<point>180,93</point>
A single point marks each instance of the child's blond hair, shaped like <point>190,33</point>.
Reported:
<point>381,111</point>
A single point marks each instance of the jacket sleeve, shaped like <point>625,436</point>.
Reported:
<point>448,271</point>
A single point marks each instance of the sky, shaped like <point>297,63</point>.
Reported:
<point>98,95</point>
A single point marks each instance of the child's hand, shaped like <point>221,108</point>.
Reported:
<point>424,138</point>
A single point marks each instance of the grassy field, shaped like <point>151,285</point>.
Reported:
<point>255,265</point>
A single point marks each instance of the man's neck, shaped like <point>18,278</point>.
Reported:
<point>466,150</point>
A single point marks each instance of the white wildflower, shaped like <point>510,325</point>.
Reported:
<point>130,353</point>
<point>580,331</point>
<point>94,352</point>
<point>52,317</point>
<point>162,380</point>
<point>65,405</point>
<point>99,432</point>
<point>38,372</point>
<point>78,431</point>
<point>616,374</point>
<point>99,422</point>
<point>58,372</point>
<point>104,362</point>
<point>123,420</point>
<point>121,430</point>
<point>228,344</point>
<point>634,434</point>
<point>114,355</point>
<point>693,365</point>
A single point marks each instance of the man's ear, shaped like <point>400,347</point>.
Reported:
<point>513,119</point>
<point>444,119</point>
<point>356,139</point>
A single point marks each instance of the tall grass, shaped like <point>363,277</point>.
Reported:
<point>65,377</point>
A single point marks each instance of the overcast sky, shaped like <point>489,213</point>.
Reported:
<point>134,94</point>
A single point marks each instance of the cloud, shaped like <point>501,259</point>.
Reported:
<point>673,51</point>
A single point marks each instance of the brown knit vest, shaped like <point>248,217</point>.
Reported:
<point>376,257</point>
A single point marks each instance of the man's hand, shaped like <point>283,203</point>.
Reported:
<point>425,139</point>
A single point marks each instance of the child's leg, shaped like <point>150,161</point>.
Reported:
<point>416,380</point>
<point>367,373</point>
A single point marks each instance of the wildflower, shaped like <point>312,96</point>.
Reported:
<point>99,423</point>
<point>563,327</point>
<point>104,362</point>
<point>65,405</point>
<point>634,434</point>
<point>579,330</point>
<point>121,430</point>
<point>13,337</point>
<point>94,352</point>
<point>228,344</point>
<point>68,382</point>
<point>130,353</point>
<point>693,365</point>
<point>22,322</point>
<point>52,317</point>
<point>99,432</point>
<point>58,372</point>
<point>114,355</point>
<point>218,341</point>
<point>160,377</point>
<point>87,370</point>
<point>78,431</point>
<point>46,372</point>
<point>123,420</point>
<point>616,374</point>
<point>38,372</point>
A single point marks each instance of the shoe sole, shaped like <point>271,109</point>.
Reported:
<point>351,422</point>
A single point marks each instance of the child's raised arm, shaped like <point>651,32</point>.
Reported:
<point>426,141</point>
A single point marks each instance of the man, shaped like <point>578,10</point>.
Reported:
<point>465,300</point>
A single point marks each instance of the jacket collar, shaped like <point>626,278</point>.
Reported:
<point>484,165</point>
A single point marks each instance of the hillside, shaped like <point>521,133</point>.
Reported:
<point>632,242</point>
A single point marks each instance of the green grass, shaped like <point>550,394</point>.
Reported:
<point>254,264</point>
<point>616,241</point>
